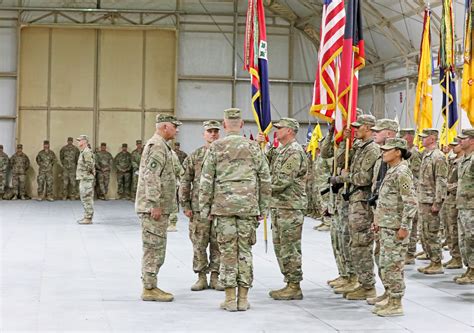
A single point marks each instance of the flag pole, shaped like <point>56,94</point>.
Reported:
<point>265,234</point>
<point>349,117</point>
<point>448,90</point>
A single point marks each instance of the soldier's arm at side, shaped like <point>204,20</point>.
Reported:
<point>441,174</point>
<point>152,177</point>
<point>264,183</point>
<point>407,193</point>
<point>206,183</point>
<point>27,164</point>
<point>327,146</point>
<point>38,160</point>
<point>185,187</point>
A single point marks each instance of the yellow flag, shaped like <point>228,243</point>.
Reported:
<point>314,142</point>
<point>467,90</point>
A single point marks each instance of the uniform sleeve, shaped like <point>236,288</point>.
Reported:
<point>290,168</point>
<point>206,183</point>
<point>415,164</point>
<point>407,193</point>
<point>27,164</point>
<point>441,174</point>
<point>327,146</point>
<point>264,183</point>
<point>61,156</point>
<point>152,176</point>
<point>185,187</point>
<point>363,176</point>
<point>135,163</point>
<point>89,161</point>
<point>38,159</point>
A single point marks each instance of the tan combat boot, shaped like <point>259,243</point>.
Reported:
<point>156,295</point>
<point>348,287</point>
<point>423,269</point>
<point>274,292</point>
<point>468,278</point>
<point>393,309</point>
<point>293,292</point>
<point>341,280</point>
<point>454,263</point>
<point>378,299</point>
<point>361,293</point>
<point>214,282</point>
<point>422,256</point>
<point>409,259</point>
<point>447,262</point>
<point>380,305</point>
<point>333,280</point>
<point>435,268</point>
<point>230,302</point>
<point>85,220</point>
<point>462,275</point>
<point>201,282</point>
<point>242,301</point>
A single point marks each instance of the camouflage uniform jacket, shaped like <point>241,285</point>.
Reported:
<point>4,163</point>
<point>189,189</point>
<point>177,167</point>
<point>181,155</point>
<point>465,193</point>
<point>69,154</point>
<point>322,170</point>
<point>432,178</point>
<point>123,161</point>
<point>361,170</point>
<point>235,179</point>
<point>20,163</point>
<point>288,172</point>
<point>85,165</point>
<point>415,162</point>
<point>157,179</point>
<point>452,179</point>
<point>103,161</point>
<point>136,157</point>
<point>396,206</point>
<point>46,161</point>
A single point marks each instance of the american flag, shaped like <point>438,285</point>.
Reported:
<point>332,39</point>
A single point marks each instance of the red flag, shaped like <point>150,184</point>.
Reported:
<point>276,143</point>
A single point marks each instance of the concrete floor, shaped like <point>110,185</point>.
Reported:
<point>60,276</point>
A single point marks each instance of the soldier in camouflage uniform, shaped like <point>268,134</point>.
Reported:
<point>123,165</point>
<point>414,161</point>
<point>178,171</point>
<point>359,178</point>
<point>85,174</point>
<point>465,205</point>
<point>103,166</point>
<point>155,201</point>
<point>69,154</point>
<point>431,194</point>
<point>19,163</point>
<point>201,231</point>
<point>396,207</point>
<point>136,157</point>
<point>181,154</point>
<point>322,168</point>
<point>4,163</point>
<point>234,190</point>
<point>288,205</point>
<point>449,209</point>
<point>45,159</point>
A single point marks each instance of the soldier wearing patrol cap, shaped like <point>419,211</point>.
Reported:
<point>234,190</point>
<point>201,232</point>
<point>136,157</point>
<point>103,166</point>
<point>123,165</point>
<point>465,205</point>
<point>19,163</point>
<point>69,154</point>
<point>431,194</point>
<point>85,174</point>
<point>45,159</point>
<point>155,201</point>
<point>4,163</point>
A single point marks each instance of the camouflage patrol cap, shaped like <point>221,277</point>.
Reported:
<point>385,124</point>
<point>364,119</point>
<point>429,131</point>
<point>82,137</point>
<point>287,123</point>
<point>405,131</point>
<point>46,142</point>
<point>395,143</point>
<point>232,113</point>
<point>138,142</point>
<point>124,145</point>
<point>103,144</point>
<point>19,146</point>
<point>455,142</point>
<point>211,124</point>
<point>167,118</point>
<point>70,139</point>
<point>466,133</point>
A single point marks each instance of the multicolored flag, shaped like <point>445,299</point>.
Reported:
<point>256,63</point>
<point>449,108</point>
<point>330,48</point>
<point>467,92</point>
<point>314,142</point>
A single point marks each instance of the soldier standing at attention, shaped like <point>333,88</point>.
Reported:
<point>85,174</point>
<point>201,231</point>
<point>69,154</point>
<point>136,157</point>
<point>4,163</point>
<point>288,205</point>
<point>431,194</point>
<point>465,205</point>
<point>19,163</point>
<point>123,164</point>
<point>234,191</point>
<point>155,201</point>
<point>103,166</point>
<point>46,159</point>
<point>396,207</point>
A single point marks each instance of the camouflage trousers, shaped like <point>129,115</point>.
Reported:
<point>413,237</point>
<point>362,242</point>
<point>466,236</point>
<point>430,227</point>
<point>134,184</point>
<point>103,179</point>
<point>450,213</point>
<point>19,184</point>
<point>235,236</point>
<point>69,183</point>
<point>86,192</point>
<point>392,261</point>
<point>45,183</point>
<point>287,227</point>
<point>3,182</point>
<point>154,248</point>
<point>203,234</point>
<point>123,183</point>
